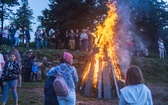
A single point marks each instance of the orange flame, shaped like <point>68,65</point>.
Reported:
<point>105,42</point>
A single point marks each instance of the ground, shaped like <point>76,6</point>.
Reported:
<point>155,73</point>
<point>32,94</point>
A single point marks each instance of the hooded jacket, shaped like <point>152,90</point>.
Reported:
<point>135,95</point>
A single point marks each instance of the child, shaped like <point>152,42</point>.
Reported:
<point>34,71</point>
<point>9,78</point>
<point>135,92</point>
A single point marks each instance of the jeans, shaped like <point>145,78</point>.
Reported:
<point>67,100</point>
<point>12,41</point>
<point>45,43</point>
<point>161,52</point>
<point>16,41</point>
<point>10,85</point>
<point>39,43</point>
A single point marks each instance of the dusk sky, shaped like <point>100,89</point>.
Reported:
<point>37,6</point>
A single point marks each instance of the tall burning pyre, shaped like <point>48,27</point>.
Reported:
<point>102,71</point>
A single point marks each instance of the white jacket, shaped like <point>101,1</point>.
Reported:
<point>135,95</point>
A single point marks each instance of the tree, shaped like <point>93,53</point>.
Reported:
<point>149,17</point>
<point>23,16</point>
<point>5,10</point>
<point>71,14</point>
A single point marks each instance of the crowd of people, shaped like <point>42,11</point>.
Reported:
<point>12,36</point>
<point>53,39</point>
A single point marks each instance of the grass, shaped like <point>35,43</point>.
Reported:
<point>155,72</point>
<point>29,94</point>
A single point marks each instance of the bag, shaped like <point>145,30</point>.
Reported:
<point>60,86</point>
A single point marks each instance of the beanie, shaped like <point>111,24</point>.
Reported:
<point>67,57</point>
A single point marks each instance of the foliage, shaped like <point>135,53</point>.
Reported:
<point>149,19</point>
<point>71,14</point>
<point>5,9</point>
<point>23,16</point>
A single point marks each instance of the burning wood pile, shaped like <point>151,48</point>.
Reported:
<point>102,72</point>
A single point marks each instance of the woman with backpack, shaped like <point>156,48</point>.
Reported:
<point>68,72</point>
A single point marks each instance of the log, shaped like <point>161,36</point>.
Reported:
<point>100,80</point>
<point>106,83</point>
<point>115,80</point>
<point>89,80</point>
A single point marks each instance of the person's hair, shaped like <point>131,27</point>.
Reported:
<point>12,53</point>
<point>134,76</point>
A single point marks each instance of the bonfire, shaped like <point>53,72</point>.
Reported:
<point>103,72</point>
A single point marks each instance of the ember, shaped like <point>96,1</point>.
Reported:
<point>103,71</point>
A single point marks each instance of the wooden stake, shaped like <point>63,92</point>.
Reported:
<point>89,80</point>
<point>106,83</point>
<point>115,81</point>
<point>100,80</point>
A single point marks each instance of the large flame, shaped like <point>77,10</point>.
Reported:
<point>106,44</point>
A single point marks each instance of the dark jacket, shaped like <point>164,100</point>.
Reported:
<point>50,96</point>
<point>9,75</point>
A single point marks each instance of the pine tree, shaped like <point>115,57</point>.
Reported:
<point>23,16</point>
<point>5,9</point>
<point>71,14</point>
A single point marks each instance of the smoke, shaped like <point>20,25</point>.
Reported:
<point>127,33</point>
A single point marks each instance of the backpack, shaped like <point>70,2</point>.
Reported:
<point>60,86</point>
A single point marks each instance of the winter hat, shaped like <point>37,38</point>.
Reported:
<point>67,57</point>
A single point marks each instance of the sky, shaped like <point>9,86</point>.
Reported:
<point>37,6</point>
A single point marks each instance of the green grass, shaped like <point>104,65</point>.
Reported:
<point>29,94</point>
<point>155,70</point>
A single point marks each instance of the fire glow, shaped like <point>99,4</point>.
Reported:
<point>105,42</point>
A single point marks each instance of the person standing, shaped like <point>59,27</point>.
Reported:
<point>38,38</point>
<point>5,35</point>
<point>2,62</point>
<point>27,36</point>
<point>77,40</point>
<point>9,78</point>
<point>66,40</point>
<point>17,35</point>
<point>28,60</point>
<point>12,34</point>
<point>72,39</point>
<point>84,38</point>
<point>69,73</point>
<point>45,38</point>
<point>19,60</point>
<point>161,48</point>
<point>34,72</point>
<point>50,97</point>
<point>135,92</point>
<point>57,38</point>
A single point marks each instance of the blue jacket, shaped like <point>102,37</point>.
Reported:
<point>34,68</point>
<point>68,72</point>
